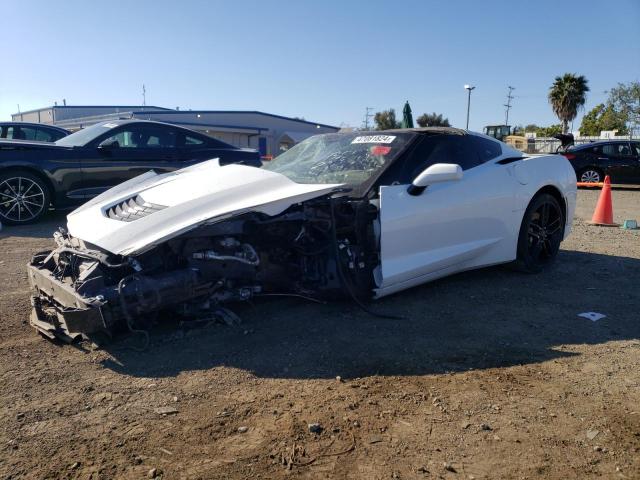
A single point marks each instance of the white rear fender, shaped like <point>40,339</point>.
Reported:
<point>542,171</point>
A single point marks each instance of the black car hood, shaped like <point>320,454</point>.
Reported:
<point>29,145</point>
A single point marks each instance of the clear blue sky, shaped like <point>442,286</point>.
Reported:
<point>322,60</point>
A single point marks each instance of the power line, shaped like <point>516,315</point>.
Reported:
<point>367,116</point>
<point>508,104</point>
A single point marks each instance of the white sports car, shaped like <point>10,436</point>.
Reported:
<point>362,214</point>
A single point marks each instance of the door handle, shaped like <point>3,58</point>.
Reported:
<point>603,158</point>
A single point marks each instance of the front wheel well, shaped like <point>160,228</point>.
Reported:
<point>35,172</point>
<point>553,191</point>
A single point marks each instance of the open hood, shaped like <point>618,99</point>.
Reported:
<point>152,208</point>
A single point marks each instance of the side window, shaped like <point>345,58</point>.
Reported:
<point>485,149</point>
<point>29,133</point>
<point>190,141</point>
<point>44,136</point>
<point>158,138</point>
<point>10,132</point>
<point>136,137</point>
<point>623,149</point>
<point>635,149</point>
<point>123,138</point>
<point>434,149</point>
<point>608,150</point>
<point>55,136</point>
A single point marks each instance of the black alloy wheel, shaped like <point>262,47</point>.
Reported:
<point>541,232</point>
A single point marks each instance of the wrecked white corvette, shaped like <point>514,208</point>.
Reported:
<point>357,214</point>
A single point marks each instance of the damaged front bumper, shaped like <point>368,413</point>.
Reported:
<point>58,311</point>
<point>83,305</point>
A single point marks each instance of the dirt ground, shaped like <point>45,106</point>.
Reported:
<point>490,374</point>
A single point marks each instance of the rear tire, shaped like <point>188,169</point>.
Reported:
<point>590,175</point>
<point>24,197</point>
<point>541,232</point>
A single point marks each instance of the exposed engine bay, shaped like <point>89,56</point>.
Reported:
<point>323,248</point>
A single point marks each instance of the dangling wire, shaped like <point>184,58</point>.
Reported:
<point>343,277</point>
<point>129,318</point>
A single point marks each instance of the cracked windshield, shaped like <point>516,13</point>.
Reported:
<point>339,158</point>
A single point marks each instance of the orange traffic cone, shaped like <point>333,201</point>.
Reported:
<point>603,214</point>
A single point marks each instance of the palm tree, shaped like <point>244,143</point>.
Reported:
<point>566,96</point>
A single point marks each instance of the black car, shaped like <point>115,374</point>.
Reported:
<point>35,175</point>
<point>31,131</point>
<point>620,159</point>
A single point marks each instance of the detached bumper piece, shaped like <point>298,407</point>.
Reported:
<point>58,310</point>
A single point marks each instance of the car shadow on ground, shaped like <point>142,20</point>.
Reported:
<point>476,320</point>
<point>44,228</point>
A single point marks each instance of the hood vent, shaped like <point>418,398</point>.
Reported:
<point>132,209</point>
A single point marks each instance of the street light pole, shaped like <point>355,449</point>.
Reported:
<point>468,88</point>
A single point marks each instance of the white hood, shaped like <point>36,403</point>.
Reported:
<point>182,200</point>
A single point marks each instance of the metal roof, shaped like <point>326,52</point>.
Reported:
<point>232,112</point>
<point>128,107</point>
<point>34,124</point>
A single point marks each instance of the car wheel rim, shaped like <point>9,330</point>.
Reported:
<point>590,176</point>
<point>545,232</point>
<point>21,199</point>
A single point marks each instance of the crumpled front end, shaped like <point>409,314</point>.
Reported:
<point>58,310</point>
<point>80,292</point>
<point>320,248</point>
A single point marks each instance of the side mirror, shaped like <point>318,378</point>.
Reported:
<point>437,173</point>
<point>109,144</point>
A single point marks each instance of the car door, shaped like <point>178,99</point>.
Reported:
<point>450,226</point>
<point>635,164</point>
<point>127,152</point>
<point>617,161</point>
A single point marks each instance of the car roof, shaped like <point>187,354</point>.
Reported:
<point>144,122</point>
<point>121,122</point>
<point>34,124</point>
<point>451,130</point>
<point>595,144</point>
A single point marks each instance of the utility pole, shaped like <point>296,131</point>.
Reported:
<point>144,96</point>
<point>468,88</point>
<point>367,116</point>
<point>508,105</point>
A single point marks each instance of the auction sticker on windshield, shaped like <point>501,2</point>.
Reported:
<point>374,139</point>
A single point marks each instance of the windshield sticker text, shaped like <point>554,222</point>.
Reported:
<point>374,139</point>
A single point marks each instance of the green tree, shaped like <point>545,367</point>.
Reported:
<point>601,118</point>
<point>549,131</point>
<point>532,127</point>
<point>433,120</point>
<point>625,98</point>
<point>386,120</point>
<point>567,94</point>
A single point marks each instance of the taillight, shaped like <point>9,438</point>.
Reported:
<point>570,156</point>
